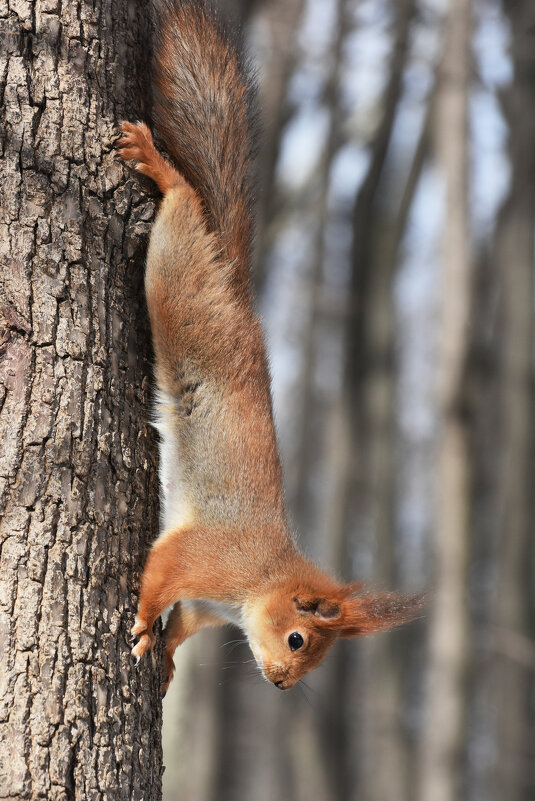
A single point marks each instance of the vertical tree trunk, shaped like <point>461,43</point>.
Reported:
<point>278,22</point>
<point>386,774</point>
<point>444,724</point>
<point>302,504</point>
<point>78,492</point>
<point>514,252</point>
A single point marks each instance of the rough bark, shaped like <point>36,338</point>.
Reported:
<point>78,491</point>
<point>443,729</point>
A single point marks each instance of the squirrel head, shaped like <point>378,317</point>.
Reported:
<point>291,629</point>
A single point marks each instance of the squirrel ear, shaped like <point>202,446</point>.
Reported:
<point>368,613</point>
<point>321,608</point>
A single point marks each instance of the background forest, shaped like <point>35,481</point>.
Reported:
<point>395,281</point>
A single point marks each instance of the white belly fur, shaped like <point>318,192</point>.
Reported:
<point>232,614</point>
<point>175,509</point>
<point>175,512</point>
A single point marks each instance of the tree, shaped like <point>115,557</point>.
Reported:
<point>513,256</point>
<point>443,729</point>
<point>78,488</point>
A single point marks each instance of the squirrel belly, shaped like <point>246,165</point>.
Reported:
<point>225,553</point>
<point>214,406</point>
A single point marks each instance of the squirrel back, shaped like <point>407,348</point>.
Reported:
<point>203,112</point>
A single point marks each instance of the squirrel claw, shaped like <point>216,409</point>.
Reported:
<point>144,643</point>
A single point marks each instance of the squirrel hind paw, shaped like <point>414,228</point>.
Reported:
<point>145,638</point>
<point>136,144</point>
<point>144,644</point>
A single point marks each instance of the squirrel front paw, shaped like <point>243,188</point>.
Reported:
<point>146,639</point>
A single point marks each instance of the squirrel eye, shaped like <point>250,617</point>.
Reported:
<point>295,641</point>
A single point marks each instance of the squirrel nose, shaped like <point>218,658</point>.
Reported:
<point>278,684</point>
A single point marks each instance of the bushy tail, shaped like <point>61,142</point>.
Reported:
<point>202,111</point>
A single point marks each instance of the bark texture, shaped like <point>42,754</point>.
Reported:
<point>78,488</point>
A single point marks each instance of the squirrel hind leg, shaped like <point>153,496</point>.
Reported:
<point>137,144</point>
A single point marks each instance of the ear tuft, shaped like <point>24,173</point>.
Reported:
<point>368,613</point>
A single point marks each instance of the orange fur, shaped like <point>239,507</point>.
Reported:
<point>202,110</point>
<point>181,624</point>
<point>225,551</point>
<point>136,143</point>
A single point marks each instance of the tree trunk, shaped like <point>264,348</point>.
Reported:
<point>304,510</point>
<point>443,729</point>
<point>513,253</point>
<point>78,490</point>
<point>277,22</point>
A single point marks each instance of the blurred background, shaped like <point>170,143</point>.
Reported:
<point>394,276</point>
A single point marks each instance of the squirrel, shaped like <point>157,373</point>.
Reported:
<point>225,552</point>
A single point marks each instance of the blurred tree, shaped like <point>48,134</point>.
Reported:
<point>302,504</point>
<point>514,259</point>
<point>364,464</point>
<point>443,734</point>
<point>277,22</point>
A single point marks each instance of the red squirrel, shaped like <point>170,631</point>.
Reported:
<point>225,553</point>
